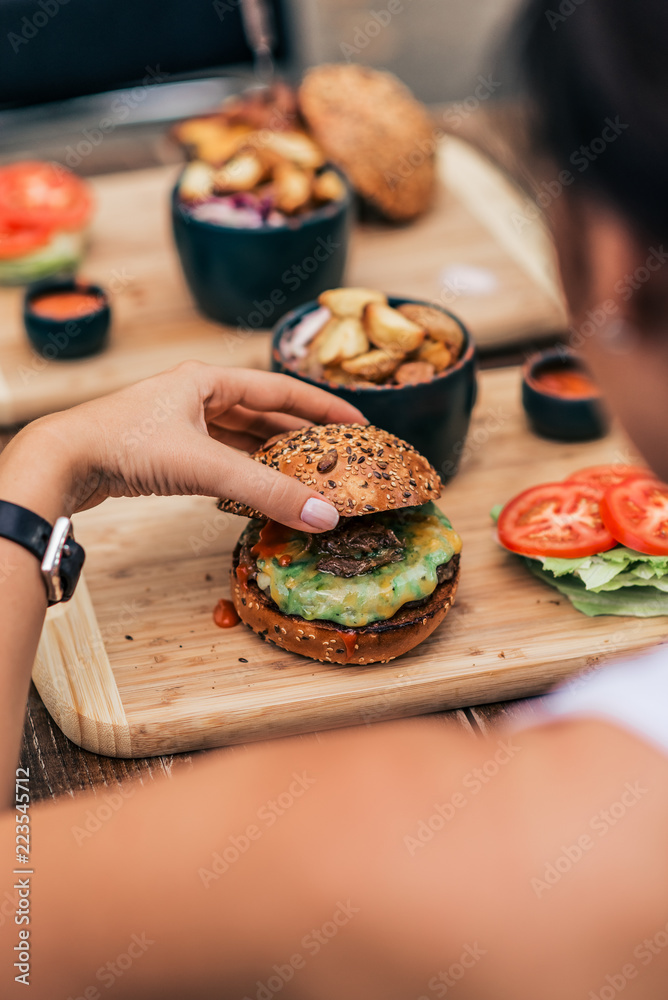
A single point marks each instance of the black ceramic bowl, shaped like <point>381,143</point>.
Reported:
<point>563,418</point>
<point>432,416</point>
<point>249,277</point>
<point>64,339</point>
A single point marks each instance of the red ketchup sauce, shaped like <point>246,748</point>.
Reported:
<point>66,305</point>
<point>569,383</point>
<point>273,539</point>
<point>348,639</point>
<point>225,615</point>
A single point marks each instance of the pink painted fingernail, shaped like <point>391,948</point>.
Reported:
<point>319,514</point>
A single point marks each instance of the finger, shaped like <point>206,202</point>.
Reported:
<point>235,439</point>
<point>268,391</point>
<point>217,470</point>
<point>262,425</point>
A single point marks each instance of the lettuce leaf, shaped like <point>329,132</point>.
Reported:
<point>620,581</point>
<point>638,601</point>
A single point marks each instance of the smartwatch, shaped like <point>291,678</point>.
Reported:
<point>60,557</point>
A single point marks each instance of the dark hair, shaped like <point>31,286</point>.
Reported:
<point>586,63</point>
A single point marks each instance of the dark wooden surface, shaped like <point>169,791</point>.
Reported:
<point>57,766</point>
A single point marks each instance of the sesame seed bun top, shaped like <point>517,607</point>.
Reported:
<point>359,468</point>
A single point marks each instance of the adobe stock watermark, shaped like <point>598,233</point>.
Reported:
<point>223,7</point>
<point>473,783</point>
<point>312,943</point>
<point>372,27</point>
<point>31,26</point>
<point>120,110</point>
<point>453,118</point>
<point>268,814</point>
<point>94,819</point>
<point>485,426</point>
<point>562,13</point>
<point>264,310</point>
<point>444,981</point>
<point>600,825</point>
<point>456,114</point>
<point>211,530</point>
<point>163,409</point>
<point>84,665</point>
<point>109,973</point>
<point>582,158</point>
<point>645,952</point>
<point>598,318</point>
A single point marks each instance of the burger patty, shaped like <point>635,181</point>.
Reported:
<point>359,536</point>
<point>356,546</point>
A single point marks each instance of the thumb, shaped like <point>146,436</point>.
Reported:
<point>224,472</point>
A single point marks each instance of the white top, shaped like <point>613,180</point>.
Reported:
<point>632,694</point>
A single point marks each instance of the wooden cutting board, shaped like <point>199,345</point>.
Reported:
<point>138,667</point>
<point>474,224</point>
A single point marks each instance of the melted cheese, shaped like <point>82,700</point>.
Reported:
<point>301,589</point>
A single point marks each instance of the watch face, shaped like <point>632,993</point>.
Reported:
<point>62,562</point>
<point>70,567</point>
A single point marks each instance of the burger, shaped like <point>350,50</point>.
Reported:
<point>373,587</point>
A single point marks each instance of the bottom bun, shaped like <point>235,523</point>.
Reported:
<point>332,643</point>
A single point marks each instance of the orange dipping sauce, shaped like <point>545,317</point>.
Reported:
<point>225,614</point>
<point>66,305</point>
<point>569,383</point>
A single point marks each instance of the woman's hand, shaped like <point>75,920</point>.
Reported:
<point>182,432</point>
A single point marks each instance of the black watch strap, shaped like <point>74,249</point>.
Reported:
<point>60,557</point>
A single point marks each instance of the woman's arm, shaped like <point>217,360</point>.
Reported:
<point>34,476</point>
<point>179,432</point>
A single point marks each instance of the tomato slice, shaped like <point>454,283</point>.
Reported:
<point>19,241</point>
<point>636,512</point>
<point>33,193</point>
<point>608,475</point>
<point>556,519</point>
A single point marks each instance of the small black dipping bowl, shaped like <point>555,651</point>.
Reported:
<point>432,416</point>
<point>563,418</point>
<point>249,277</point>
<point>65,339</point>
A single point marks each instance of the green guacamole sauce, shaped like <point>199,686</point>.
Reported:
<point>302,589</point>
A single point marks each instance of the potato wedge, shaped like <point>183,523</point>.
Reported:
<point>349,301</point>
<point>438,325</point>
<point>374,365</point>
<point>328,186</point>
<point>436,354</point>
<point>297,147</point>
<point>412,372</point>
<point>390,330</point>
<point>340,339</point>
<point>339,376</point>
<point>242,173</point>
<point>292,187</point>
<point>196,181</point>
<point>212,139</point>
